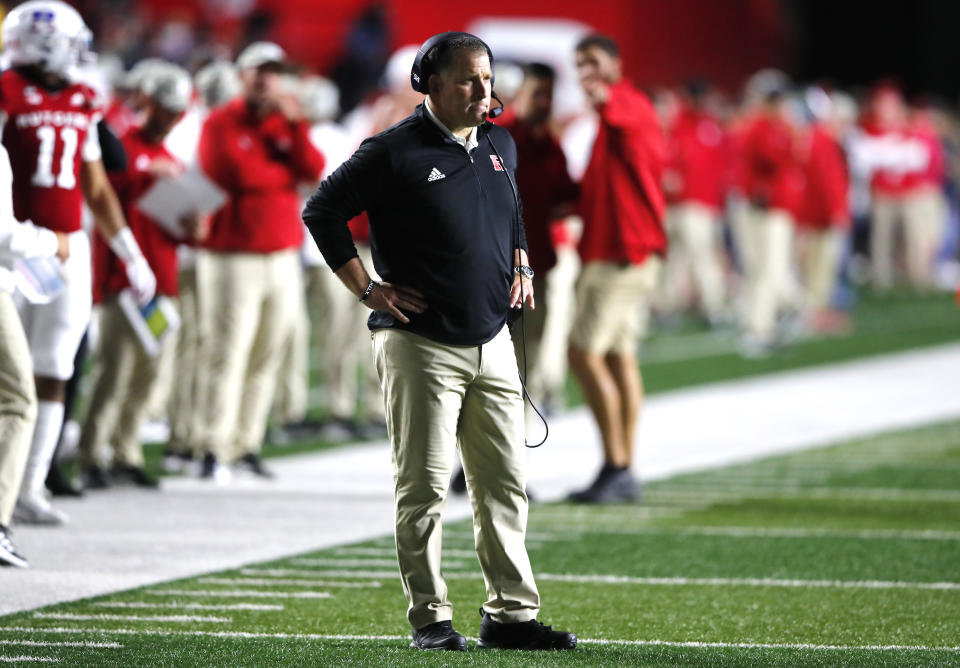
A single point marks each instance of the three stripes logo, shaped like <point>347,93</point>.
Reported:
<point>436,175</point>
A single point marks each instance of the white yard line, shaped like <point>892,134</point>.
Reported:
<point>348,563</point>
<point>720,491</point>
<point>28,659</point>
<point>775,532</point>
<point>300,582</point>
<point>180,619</point>
<point>592,641</point>
<point>241,593</point>
<point>390,552</point>
<point>749,582</point>
<point>88,644</point>
<point>190,606</point>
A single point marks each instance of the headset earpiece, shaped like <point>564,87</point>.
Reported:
<point>420,78</point>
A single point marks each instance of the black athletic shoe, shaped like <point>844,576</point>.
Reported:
<point>611,486</point>
<point>60,485</point>
<point>95,477</point>
<point>522,635</point>
<point>252,462</point>
<point>439,635</point>
<point>212,469</point>
<point>134,475</point>
<point>458,483</point>
<point>8,551</point>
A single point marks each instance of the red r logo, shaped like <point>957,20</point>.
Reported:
<point>496,163</point>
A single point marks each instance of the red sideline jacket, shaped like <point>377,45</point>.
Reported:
<point>160,250</point>
<point>698,149</point>
<point>772,172</point>
<point>259,162</point>
<point>544,184</point>
<point>621,199</point>
<point>826,191</point>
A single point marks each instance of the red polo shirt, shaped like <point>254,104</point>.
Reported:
<point>621,199</point>
<point>259,162</point>
<point>773,178</point>
<point>159,249</point>
<point>544,184</point>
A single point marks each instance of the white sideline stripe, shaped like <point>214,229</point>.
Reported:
<point>346,563</point>
<point>751,582</point>
<point>65,643</point>
<point>592,641</point>
<point>131,618</point>
<point>191,606</point>
<point>280,582</point>
<point>799,491</point>
<point>25,659</point>
<point>239,593</point>
<point>319,573</point>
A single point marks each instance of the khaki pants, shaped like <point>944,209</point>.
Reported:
<point>293,379</point>
<point>561,304</point>
<point>348,371</point>
<point>613,302</point>
<point>820,252</point>
<point>694,244</point>
<point>185,394</point>
<point>248,302</point>
<point>770,285</point>
<point>124,378</point>
<point>18,405</point>
<point>527,336</point>
<point>439,397</point>
<point>921,217</point>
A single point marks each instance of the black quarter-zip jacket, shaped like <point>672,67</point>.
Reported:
<point>441,221</point>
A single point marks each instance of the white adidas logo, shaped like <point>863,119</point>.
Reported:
<point>436,175</point>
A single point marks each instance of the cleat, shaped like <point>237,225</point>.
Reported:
<point>530,635</point>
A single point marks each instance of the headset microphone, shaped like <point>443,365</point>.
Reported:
<point>493,113</point>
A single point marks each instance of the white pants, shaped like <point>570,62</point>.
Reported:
<point>54,330</point>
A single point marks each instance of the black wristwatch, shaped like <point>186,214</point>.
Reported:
<point>524,270</point>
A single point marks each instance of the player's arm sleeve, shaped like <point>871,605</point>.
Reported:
<point>114,156</point>
<point>91,146</point>
<point>352,188</point>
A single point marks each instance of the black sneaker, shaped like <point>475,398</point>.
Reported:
<point>8,551</point>
<point>439,635</point>
<point>252,462</point>
<point>96,477</point>
<point>134,475</point>
<point>60,485</point>
<point>212,469</point>
<point>522,635</point>
<point>458,484</point>
<point>611,486</point>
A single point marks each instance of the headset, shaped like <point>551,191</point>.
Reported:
<point>420,77</point>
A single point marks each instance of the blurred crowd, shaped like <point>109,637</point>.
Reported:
<point>782,200</point>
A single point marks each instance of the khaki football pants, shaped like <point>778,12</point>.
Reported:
<point>770,284</point>
<point>921,217</point>
<point>247,302</point>
<point>184,406</point>
<point>18,405</point>
<point>438,398</point>
<point>821,256</point>
<point>694,244</point>
<point>124,378</point>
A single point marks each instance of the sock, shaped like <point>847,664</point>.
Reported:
<point>45,436</point>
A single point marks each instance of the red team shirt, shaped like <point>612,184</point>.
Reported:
<point>159,248</point>
<point>773,177</point>
<point>698,150</point>
<point>621,199</point>
<point>825,199</point>
<point>48,136</point>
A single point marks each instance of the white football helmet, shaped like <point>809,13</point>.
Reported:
<point>48,33</point>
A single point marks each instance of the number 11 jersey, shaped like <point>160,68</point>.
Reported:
<point>48,134</point>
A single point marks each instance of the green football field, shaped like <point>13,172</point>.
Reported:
<point>847,555</point>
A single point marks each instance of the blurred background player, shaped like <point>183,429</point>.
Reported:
<point>56,162</point>
<point>216,83</point>
<point>126,373</point>
<point>18,396</point>
<point>772,183</point>
<point>623,239</point>
<point>257,148</point>
<point>694,184</point>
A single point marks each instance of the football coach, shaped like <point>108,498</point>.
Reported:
<point>448,241</point>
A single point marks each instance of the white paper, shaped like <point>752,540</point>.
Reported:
<point>169,200</point>
<point>40,279</point>
<point>153,322</point>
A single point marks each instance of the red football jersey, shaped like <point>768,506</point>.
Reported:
<point>48,135</point>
